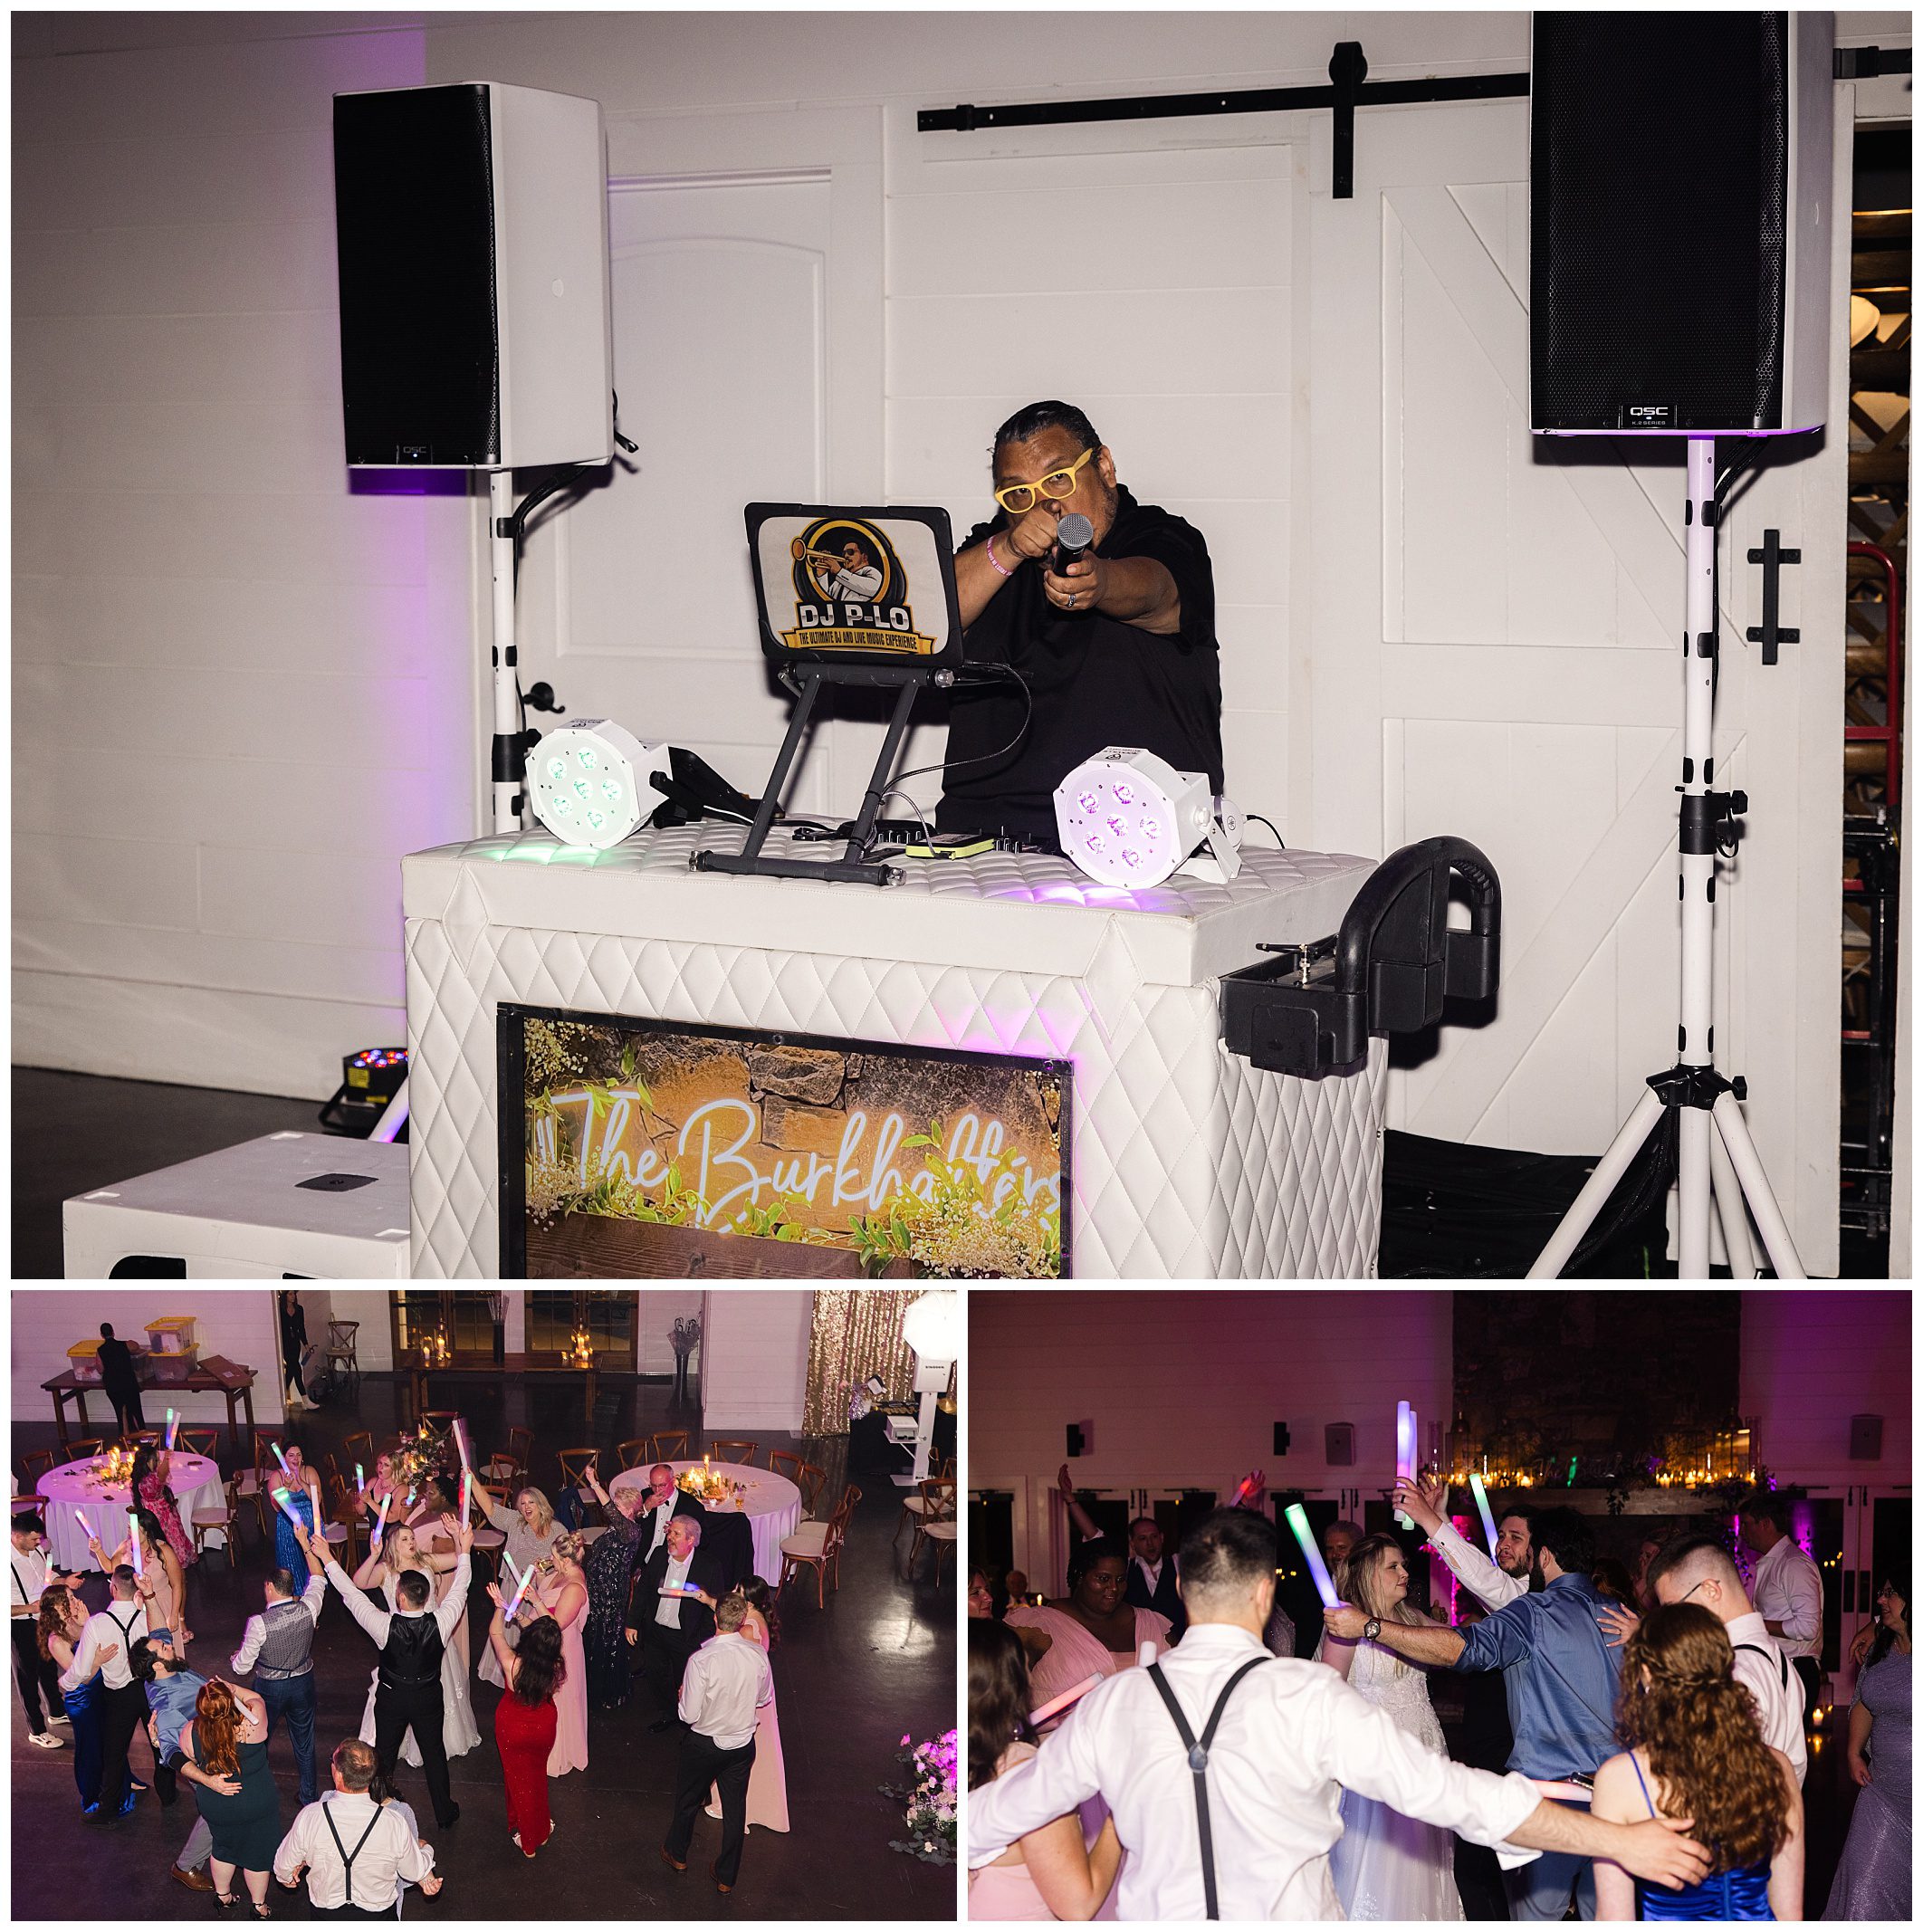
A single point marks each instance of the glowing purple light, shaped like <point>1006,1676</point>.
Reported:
<point>1087,801</point>
<point>1124,795</point>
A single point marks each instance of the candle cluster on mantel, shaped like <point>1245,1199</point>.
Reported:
<point>1688,1459</point>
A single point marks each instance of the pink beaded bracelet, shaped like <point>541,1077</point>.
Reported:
<point>990,547</point>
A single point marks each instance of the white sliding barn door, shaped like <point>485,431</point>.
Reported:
<point>1494,652</point>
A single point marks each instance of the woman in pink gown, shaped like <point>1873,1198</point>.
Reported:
<point>563,1595</point>
<point>1094,1632</point>
<point>1052,1873</point>
<point>766,1776</point>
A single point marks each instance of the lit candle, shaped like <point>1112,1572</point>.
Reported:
<point>1482,1502</point>
<point>133,1542</point>
<point>1298,1522</point>
<point>1405,1452</point>
<point>1064,1700</point>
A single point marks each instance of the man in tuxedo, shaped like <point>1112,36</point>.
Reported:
<point>671,1609</point>
<point>661,1503</point>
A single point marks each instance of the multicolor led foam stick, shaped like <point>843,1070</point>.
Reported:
<point>1146,1656</point>
<point>1298,1522</point>
<point>467,1493</point>
<point>133,1540</point>
<point>1405,1453</point>
<point>1482,1502</point>
<point>514,1602</point>
<point>282,1461</point>
<point>284,1504</point>
<point>360,1481</point>
<point>173,1423</point>
<point>380,1521</point>
<point>1064,1700</point>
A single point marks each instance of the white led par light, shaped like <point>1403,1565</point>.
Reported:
<point>591,781</point>
<point>1128,817</point>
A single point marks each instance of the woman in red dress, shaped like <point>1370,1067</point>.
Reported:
<point>524,1722</point>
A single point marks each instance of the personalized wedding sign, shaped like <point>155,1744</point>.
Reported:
<point>643,1148</point>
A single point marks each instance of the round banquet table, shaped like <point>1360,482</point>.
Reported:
<point>64,1492</point>
<point>772,1505</point>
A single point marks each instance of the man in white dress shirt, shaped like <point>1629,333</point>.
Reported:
<point>1282,1747</point>
<point>354,1852</point>
<point>1788,1589</point>
<point>105,1645</point>
<point>1698,1570</point>
<point>37,1678</point>
<point>1494,1582</point>
<point>727,1681</point>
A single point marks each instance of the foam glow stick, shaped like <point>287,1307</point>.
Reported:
<point>514,1568</point>
<point>1064,1700</point>
<point>1482,1502</point>
<point>514,1602</point>
<point>467,1492</point>
<point>172,1424</point>
<point>282,1461</point>
<point>1146,1656</point>
<point>1241,1489</point>
<point>133,1540</point>
<point>1405,1452</point>
<point>381,1520</point>
<point>1298,1522</point>
<point>285,1506</point>
<point>360,1481</point>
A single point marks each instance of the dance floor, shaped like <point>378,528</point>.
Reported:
<point>850,1680</point>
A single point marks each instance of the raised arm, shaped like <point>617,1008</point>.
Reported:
<point>1085,1524</point>
<point>504,1654</point>
<point>1050,1785</point>
<point>372,1620</point>
<point>1427,1506</point>
<point>1435,1644</point>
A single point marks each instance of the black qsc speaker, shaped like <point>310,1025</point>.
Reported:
<point>471,227</point>
<point>1680,223</point>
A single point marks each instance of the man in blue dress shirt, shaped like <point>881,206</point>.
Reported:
<point>1560,1675</point>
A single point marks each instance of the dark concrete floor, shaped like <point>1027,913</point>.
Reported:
<point>73,1132</point>
<point>879,1660</point>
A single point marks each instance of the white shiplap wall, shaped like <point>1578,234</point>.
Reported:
<point>1185,1387</point>
<point>240,689</point>
<point>1812,1359</point>
<point>754,1358</point>
<point>237,1322</point>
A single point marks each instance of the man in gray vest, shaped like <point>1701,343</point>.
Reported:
<point>278,1648</point>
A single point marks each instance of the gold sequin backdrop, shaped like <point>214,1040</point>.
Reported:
<point>857,1333</point>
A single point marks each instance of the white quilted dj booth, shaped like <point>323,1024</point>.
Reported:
<point>1185,1160</point>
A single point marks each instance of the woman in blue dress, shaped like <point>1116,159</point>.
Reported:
<point>62,1618</point>
<point>1696,1751</point>
<point>301,1486</point>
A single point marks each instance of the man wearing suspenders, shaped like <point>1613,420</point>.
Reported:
<point>1222,1765</point>
<point>37,1678</point>
<point>1698,1570</point>
<point>356,1853</point>
<point>105,1645</point>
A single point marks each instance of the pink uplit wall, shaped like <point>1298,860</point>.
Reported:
<point>1185,1387</point>
<point>1814,1357</point>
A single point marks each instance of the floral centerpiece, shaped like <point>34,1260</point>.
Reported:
<point>708,1485</point>
<point>928,1798</point>
<point>426,1453</point>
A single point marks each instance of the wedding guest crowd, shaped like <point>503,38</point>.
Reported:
<point>1656,1699</point>
<point>571,1622</point>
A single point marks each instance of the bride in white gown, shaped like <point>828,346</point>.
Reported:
<point>1386,1865</point>
<point>382,1571</point>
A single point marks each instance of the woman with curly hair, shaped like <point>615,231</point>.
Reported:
<point>62,1618</point>
<point>1052,1873</point>
<point>1695,1751</point>
<point>1872,1880</point>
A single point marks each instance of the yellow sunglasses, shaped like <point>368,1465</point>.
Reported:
<point>1019,499</point>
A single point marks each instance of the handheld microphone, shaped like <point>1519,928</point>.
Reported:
<point>1074,538</point>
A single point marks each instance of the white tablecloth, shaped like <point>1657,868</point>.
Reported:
<point>193,1480</point>
<point>772,1505</point>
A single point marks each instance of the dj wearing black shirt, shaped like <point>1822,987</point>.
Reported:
<point>1115,649</point>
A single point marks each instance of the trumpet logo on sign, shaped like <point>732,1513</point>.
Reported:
<point>851,592</point>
